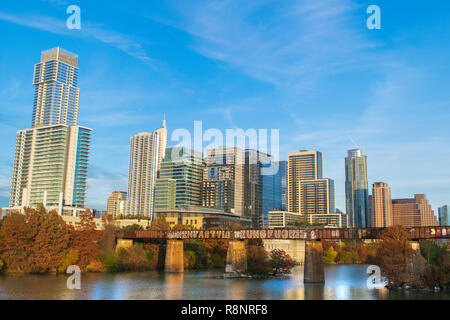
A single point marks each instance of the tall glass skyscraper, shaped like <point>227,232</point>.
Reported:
<point>56,95</point>
<point>52,158</point>
<point>444,217</point>
<point>356,189</point>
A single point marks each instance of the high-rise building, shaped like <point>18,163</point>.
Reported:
<point>180,179</point>
<point>56,96</point>
<point>51,159</point>
<point>146,156</point>
<point>427,217</point>
<point>356,189</point>
<point>413,212</point>
<point>444,218</point>
<point>316,196</point>
<point>116,203</point>
<point>380,206</point>
<point>283,184</point>
<point>223,183</point>
<point>246,183</point>
<point>302,166</point>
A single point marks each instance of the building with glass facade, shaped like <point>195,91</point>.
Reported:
<point>180,179</point>
<point>146,156</point>
<point>56,96</point>
<point>52,158</point>
<point>444,218</point>
<point>356,189</point>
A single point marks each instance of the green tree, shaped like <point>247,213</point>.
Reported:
<point>330,256</point>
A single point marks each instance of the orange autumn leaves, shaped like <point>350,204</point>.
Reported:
<point>39,241</point>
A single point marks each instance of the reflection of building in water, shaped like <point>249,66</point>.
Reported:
<point>236,290</point>
<point>174,286</point>
<point>294,248</point>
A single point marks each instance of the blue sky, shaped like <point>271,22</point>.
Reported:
<point>309,68</point>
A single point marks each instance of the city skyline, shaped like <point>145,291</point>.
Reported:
<point>393,152</point>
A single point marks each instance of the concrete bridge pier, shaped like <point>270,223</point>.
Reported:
<point>314,271</point>
<point>236,257</point>
<point>174,257</point>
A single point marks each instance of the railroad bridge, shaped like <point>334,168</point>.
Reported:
<point>237,257</point>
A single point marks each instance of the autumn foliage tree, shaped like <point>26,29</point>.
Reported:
<point>281,261</point>
<point>36,241</point>
<point>86,240</point>
<point>393,253</point>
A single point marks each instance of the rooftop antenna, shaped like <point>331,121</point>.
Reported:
<point>164,121</point>
<point>353,141</point>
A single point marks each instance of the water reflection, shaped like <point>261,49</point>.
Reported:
<point>343,282</point>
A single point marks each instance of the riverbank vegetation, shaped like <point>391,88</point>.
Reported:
<point>400,264</point>
<point>40,241</point>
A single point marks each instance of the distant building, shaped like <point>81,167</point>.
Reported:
<point>146,155</point>
<point>283,219</point>
<point>444,218</point>
<point>200,217</point>
<point>380,206</point>
<point>413,212</point>
<point>356,189</point>
<point>116,203</point>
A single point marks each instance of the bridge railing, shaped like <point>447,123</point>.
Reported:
<point>415,233</point>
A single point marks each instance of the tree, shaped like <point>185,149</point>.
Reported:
<point>108,237</point>
<point>16,239</point>
<point>330,256</point>
<point>258,261</point>
<point>281,261</point>
<point>132,227</point>
<point>51,243</point>
<point>160,224</point>
<point>86,240</point>
<point>394,252</point>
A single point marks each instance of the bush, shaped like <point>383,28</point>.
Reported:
<point>70,259</point>
<point>110,263</point>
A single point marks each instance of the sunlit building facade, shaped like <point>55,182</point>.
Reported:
<point>116,203</point>
<point>56,96</point>
<point>52,158</point>
<point>380,206</point>
<point>146,156</point>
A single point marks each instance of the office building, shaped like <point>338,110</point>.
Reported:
<point>316,196</point>
<point>302,166</point>
<point>413,212</point>
<point>180,179</point>
<point>283,219</point>
<point>380,206</point>
<point>146,156</point>
<point>444,219</point>
<point>356,189</point>
<point>116,203</point>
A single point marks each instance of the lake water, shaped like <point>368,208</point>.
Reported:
<point>343,282</point>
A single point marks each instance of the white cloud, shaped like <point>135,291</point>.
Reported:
<point>123,42</point>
